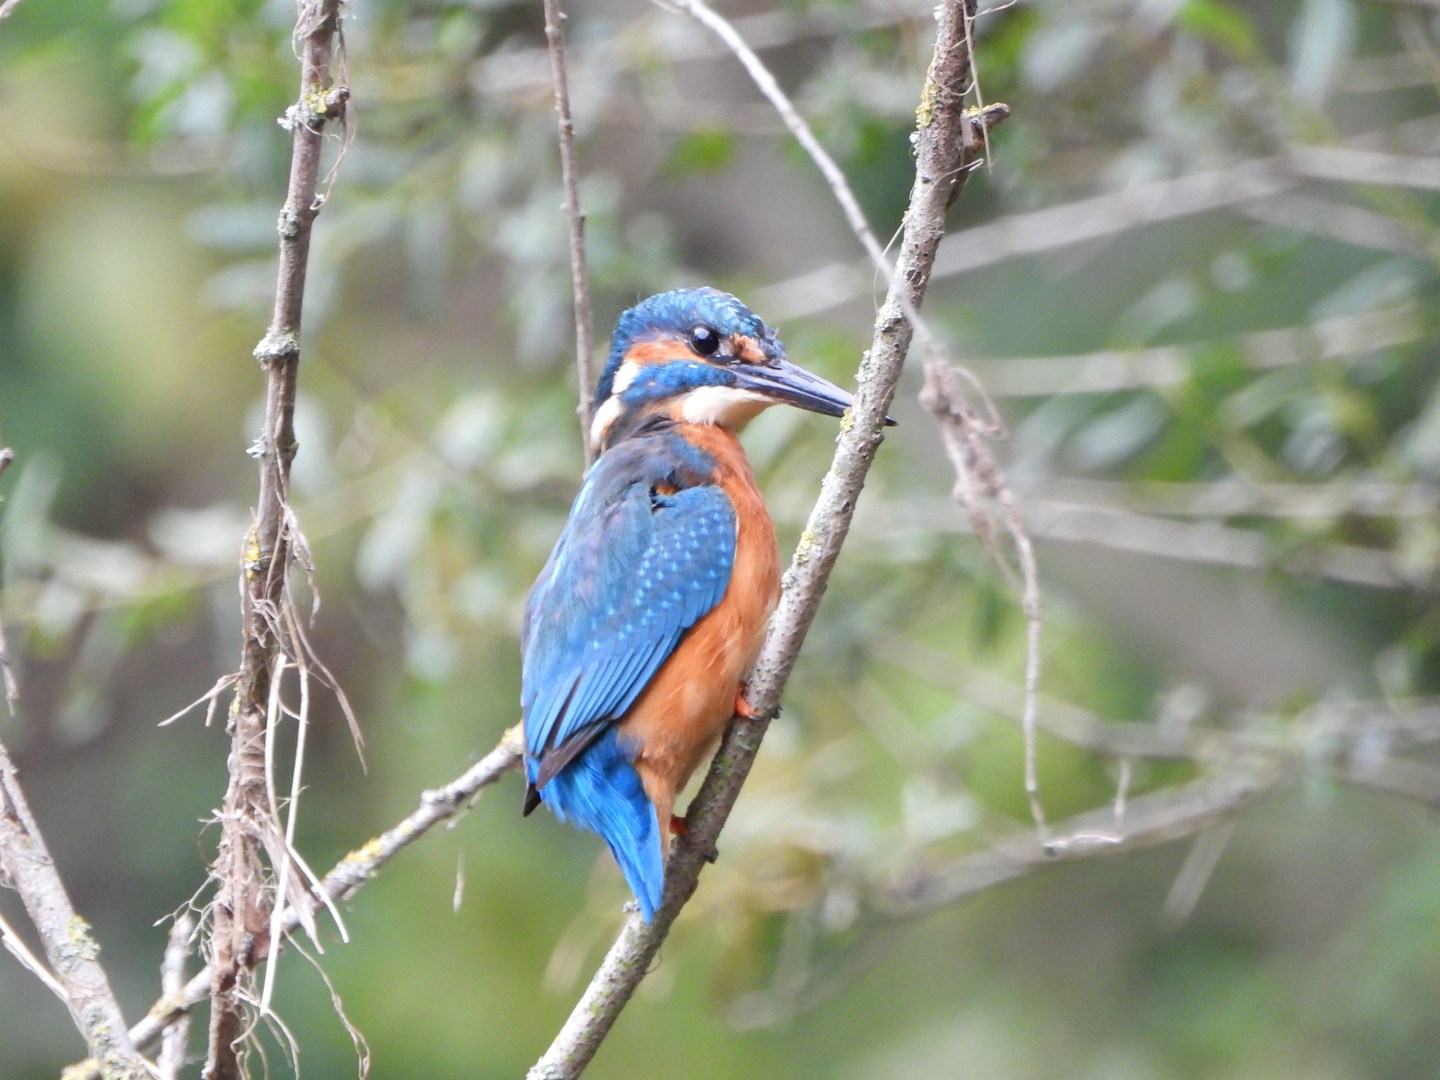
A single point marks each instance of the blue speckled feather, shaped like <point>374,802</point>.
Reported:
<point>632,571</point>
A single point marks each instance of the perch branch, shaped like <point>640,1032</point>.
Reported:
<point>73,953</point>
<point>940,153</point>
<point>239,936</point>
<point>570,176</point>
<point>966,431</point>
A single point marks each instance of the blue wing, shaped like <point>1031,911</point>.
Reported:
<point>632,571</point>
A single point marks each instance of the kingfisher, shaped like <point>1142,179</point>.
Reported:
<point>646,620</point>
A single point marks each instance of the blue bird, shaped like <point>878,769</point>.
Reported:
<point>652,607</point>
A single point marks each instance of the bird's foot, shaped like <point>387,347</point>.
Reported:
<point>743,708</point>
<point>680,827</point>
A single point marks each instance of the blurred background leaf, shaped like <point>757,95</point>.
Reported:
<point>1206,318</point>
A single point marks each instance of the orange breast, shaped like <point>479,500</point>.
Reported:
<point>677,719</point>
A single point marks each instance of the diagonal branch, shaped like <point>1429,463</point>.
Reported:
<point>26,865</point>
<point>239,936</point>
<point>941,152</point>
<point>345,878</point>
<point>570,176</point>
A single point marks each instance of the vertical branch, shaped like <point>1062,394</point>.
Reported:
<point>239,936</point>
<point>941,140</point>
<point>570,177</point>
<point>172,985</point>
<point>7,673</point>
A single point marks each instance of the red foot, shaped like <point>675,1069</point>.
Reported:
<point>743,708</point>
<point>679,826</point>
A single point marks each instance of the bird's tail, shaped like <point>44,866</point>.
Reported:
<point>601,791</point>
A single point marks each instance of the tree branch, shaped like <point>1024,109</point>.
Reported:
<point>239,936</point>
<point>345,878</point>
<point>940,147</point>
<point>7,673</point>
<point>570,177</point>
<point>1157,818</point>
<point>26,865</point>
<point>69,946</point>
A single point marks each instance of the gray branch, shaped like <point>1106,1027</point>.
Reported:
<point>940,153</point>
<point>570,176</point>
<point>239,936</point>
<point>344,879</point>
<point>71,949</point>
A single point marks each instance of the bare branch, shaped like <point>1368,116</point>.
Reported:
<point>8,7</point>
<point>172,983</point>
<point>7,673</point>
<point>1344,337</point>
<point>71,949</point>
<point>16,947</point>
<point>570,176</point>
<point>239,936</point>
<point>1339,221</point>
<point>941,141</point>
<point>527,71</point>
<point>349,874</point>
<point>1157,818</point>
<point>1038,231</point>
<point>1233,497</point>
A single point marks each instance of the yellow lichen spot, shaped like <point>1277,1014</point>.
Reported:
<point>847,421</point>
<point>367,853</point>
<point>315,103</point>
<point>802,549</point>
<point>925,111</point>
<point>252,554</point>
<point>79,945</point>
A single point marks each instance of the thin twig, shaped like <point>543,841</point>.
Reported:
<point>349,874</point>
<point>1170,814</point>
<point>7,7</point>
<point>7,673</point>
<point>16,947</point>
<point>570,176</point>
<point>978,473</point>
<point>172,982</point>
<point>72,951</point>
<point>940,146</point>
<point>239,935</point>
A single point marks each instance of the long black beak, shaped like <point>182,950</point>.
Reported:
<point>783,381</point>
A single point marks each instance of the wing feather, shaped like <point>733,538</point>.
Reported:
<point>631,573</point>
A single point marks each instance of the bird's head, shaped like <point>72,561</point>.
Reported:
<point>700,356</point>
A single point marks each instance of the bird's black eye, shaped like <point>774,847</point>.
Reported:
<point>704,340</point>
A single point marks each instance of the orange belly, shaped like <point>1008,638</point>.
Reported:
<point>678,718</point>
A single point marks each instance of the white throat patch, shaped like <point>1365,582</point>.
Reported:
<point>722,405</point>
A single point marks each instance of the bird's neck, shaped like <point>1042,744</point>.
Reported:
<point>721,443</point>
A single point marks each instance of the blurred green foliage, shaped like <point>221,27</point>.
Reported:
<point>1237,529</point>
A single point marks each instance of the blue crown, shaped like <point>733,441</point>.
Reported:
<point>677,312</point>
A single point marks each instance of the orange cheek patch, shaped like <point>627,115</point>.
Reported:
<point>657,351</point>
<point>748,349</point>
